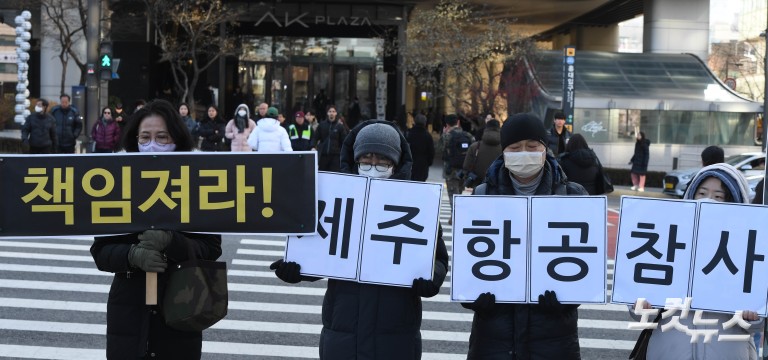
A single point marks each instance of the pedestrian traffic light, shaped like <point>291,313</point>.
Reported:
<point>105,61</point>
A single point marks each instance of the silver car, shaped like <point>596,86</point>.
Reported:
<point>751,164</point>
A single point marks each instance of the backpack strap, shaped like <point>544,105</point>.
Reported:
<point>480,189</point>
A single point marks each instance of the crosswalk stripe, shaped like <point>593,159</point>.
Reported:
<point>48,352</point>
<point>280,243</point>
<point>251,262</point>
<point>37,245</point>
<point>54,269</point>
<point>21,255</point>
<point>260,252</point>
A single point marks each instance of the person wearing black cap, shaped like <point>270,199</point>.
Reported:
<point>558,135</point>
<point>368,321</point>
<point>454,145</point>
<point>300,133</point>
<point>547,330</point>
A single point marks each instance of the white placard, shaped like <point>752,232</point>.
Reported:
<point>568,241</point>
<point>400,232</point>
<point>490,248</point>
<point>740,232</point>
<point>653,250</point>
<point>333,252</point>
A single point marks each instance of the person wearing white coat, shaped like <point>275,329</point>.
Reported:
<point>269,136</point>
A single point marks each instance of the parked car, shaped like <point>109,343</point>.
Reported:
<point>751,164</point>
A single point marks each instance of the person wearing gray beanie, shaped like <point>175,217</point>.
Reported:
<point>550,329</point>
<point>378,139</point>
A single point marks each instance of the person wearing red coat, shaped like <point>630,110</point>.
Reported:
<point>105,133</point>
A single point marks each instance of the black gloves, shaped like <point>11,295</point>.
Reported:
<point>289,272</point>
<point>155,239</point>
<point>425,288</point>
<point>483,304</point>
<point>548,302</point>
<point>148,260</point>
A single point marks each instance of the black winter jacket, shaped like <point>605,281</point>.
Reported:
<point>375,322</point>
<point>553,139</point>
<point>641,156</point>
<point>133,328</point>
<point>39,130</point>
<point>423,151</point>
<point>329,137</point>
<point>524,331</point>
<point>68,124</point>
<point>581,167</point>
<point>212,140</point>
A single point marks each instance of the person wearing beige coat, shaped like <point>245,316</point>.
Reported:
<point>239,128</point>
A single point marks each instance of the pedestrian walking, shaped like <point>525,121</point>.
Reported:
<point>269,136</point>
<point>368,321</point>
<point>240,128</point>
<point>639,162</point>
<point>212,129</point>
<point>105,133</point>
<point>454,145</point>
<point>39,130</point>
<point>422,148</point>
<point>330,135</point>
<point>300,133</point>
<point>722,183</point>
<point>136,330</point>
<point>543,331</point>
<point>69,125</point>
<point>581,165</point>
<point>558,135</point>
<point>482,154</point>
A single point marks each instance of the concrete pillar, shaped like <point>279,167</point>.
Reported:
<point>593,38</point>
<point>674,27</point>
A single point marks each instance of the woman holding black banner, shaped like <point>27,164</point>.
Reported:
<point>136,330</point>
<point>367,321</point>
<point>722,183</point>
<point>547,330</point>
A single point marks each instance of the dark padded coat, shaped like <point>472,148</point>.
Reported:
<point>641,156</point>
<point>581,167</point>
<point>39,130</point>
<point>133,328</point>
<point>365,321</point>
<point>423,151</point>
<point>524,331</point>
<point>68,124</point>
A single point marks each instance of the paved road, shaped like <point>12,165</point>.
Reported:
<point>52,306</point>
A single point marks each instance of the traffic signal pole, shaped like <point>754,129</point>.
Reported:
<point>91,114</point>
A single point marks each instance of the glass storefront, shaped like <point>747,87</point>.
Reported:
<point>292,73</point>
<point>666,127</point>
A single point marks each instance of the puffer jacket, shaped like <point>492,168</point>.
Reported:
<point>581,167</point>
<point>483,153</point>
<point>329,137</point>
<point>133,328</point>
<point>212,132</point>
<point>375,322</point>
<point>68,124</point>
<point>239,140</point>
<point>269,136</point>
<point>106,135</point>
<point>525,331</point>
<point>641,156</point>
<point>39,130</point>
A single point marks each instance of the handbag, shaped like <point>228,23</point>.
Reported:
<point>604,183</point>
<point>195,294</point>
<point>640,350</point>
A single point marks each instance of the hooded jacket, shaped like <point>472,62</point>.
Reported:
<point>581,167</point>
<point>240,138</point>
<point>375,322</point>
<point>525,331</point>
<point>483,153</point>
<point>269,136</point>
<point>40,131</point>
<point>674,344</point>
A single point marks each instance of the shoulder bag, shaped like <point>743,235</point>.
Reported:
<point>195,294</point>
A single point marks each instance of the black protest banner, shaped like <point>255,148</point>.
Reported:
<point>58,195</point>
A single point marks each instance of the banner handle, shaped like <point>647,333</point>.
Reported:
<point>151,288</point>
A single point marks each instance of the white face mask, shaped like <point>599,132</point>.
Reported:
<point>524,164</point>
<point>152,146</point>
<point>376,174</point>
<point>706,199</point>
<point>38,109</point>
<point>241,112</point>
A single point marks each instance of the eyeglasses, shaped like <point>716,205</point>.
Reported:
<point>379,167</point>
<point>160,139</point>
<point>107,113</point>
